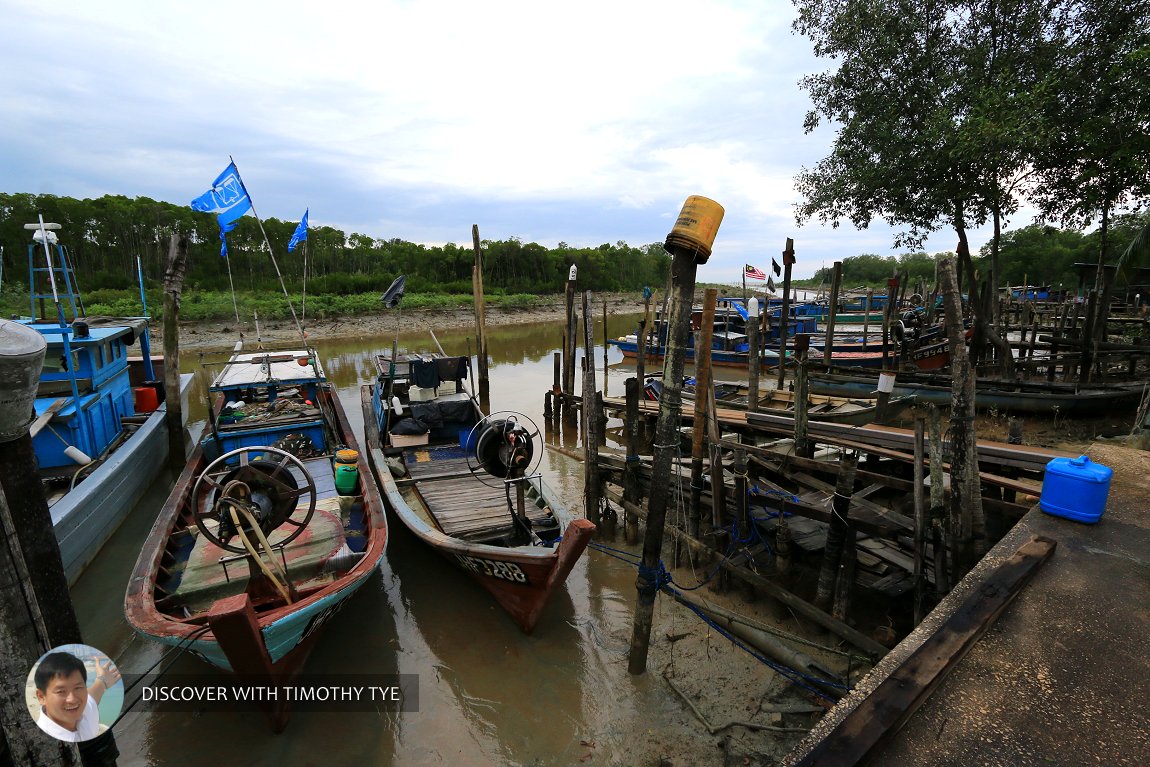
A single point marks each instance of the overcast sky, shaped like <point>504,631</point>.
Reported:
<point>582,123</point>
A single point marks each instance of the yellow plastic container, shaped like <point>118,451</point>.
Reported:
<point>694,231</point>
<point>346,456</point>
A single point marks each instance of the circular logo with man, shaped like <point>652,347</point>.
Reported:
<point>74,692</point>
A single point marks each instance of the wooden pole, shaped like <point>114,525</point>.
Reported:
<point>642,337</point>
<point>803,445</point>
<point>173,288</point>
<point>784,312</point>
<point>590,419</point>
<point>683,271</point>
<point>606,346</point>
<point>702,400</point>
<point>838,530</point>
<point>836,284</point>
<point>754,360</point>
<point>569,338</point>
<point>866,317</point>
<point>919,520</point>
<point>480,317</point>
<point>632,487</point>
<point>939,519</point>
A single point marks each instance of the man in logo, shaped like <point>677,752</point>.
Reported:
<point>69,708</point>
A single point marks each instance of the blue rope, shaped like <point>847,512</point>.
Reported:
<point>795,677</point>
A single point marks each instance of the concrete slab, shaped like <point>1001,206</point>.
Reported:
<point>1062,677</point>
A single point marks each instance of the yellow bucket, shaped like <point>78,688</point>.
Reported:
<point>694,231</point>
<point>346,456</point>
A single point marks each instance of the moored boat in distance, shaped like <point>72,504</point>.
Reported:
<point>99,441</point>
<point>273,525</point>
<point>465,484</point>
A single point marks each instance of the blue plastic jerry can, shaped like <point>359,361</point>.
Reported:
<point>1075,488</point>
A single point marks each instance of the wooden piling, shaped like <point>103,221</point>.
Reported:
<point>683,272</point>
<point>173,288</point>
<point>803,445</point>
<point>643,336</point>
<point>569,336</point>
<point>699,422</point>
<point>632,488</point>
<point>836,284</point>
<point>754,361</point>
<point>920,523</point>
<point>940,526</point>
<point>606,346</point>
<point>866,317</point>
<point>480,317</point>
<point>591,480</point>
<point>784,312</point>
<point>837,531</point>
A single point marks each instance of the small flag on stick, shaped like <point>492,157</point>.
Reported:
<point>754,273</point>
<point>300,233</point>
<point>770,284</point>
<point>775,266</point>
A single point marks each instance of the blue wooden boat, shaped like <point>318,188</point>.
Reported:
<point>273,525</point>
<point>99,441</point>
<point>1002,396</point>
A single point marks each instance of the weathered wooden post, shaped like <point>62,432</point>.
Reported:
<point>590,419</point>
<point>941,529</point>
<point>173,288</point>
<point>642,337</point>
<point>632,491</point>
<point>569,338</point>
<point>702,402</point>
<point>866,317</point>
<point>606,346</point>
<point>557,383</point>
<point>838,530</point>
<point>785,310</point>
<point>919,520</point>
<point>803,445</point>
<point>480,317</point>
<point>964,486</point>
<point>754,361</point>
<point>690,245</point>
<point>36,610</point>
<point>836,284</point>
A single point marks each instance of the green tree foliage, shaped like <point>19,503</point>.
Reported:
<point>104,236</point>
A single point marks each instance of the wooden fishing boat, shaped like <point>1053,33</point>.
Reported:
<point>99,441</point>
<point>820,407</point>
<point>273,525</point>
<point>1003,396</point>
<point>464,484</point>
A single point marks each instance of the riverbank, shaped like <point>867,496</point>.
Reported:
<point>214,334</point>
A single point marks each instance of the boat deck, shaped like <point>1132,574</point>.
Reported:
<point>461,504</point>
<point>210,573</point>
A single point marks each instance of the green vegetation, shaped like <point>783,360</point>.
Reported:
<point>103,238</point>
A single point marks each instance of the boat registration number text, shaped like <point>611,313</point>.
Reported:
<point>508,571</point>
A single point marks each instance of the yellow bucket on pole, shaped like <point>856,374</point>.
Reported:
<point>695,229</point>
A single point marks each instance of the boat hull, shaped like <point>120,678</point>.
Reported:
<point>87,515</point>
<point>522,579</point>
<point>274,642</point>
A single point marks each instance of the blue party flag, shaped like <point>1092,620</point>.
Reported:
<point>227,198</point>
<point>300,233</point>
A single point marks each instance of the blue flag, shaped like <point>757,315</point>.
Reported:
<point>228,198</point>
<point>300,233</point>
<point>224,229</point>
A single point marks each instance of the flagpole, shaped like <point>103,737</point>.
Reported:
<point>271,253</point>
<point>232,285</point>
<point>303,311</point>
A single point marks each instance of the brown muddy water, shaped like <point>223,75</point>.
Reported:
<point>488,694</point>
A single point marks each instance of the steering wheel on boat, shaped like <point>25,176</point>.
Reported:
<point>261,486</point>
<point>505,445</point>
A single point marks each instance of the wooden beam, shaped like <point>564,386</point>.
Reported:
<point>893,702</point>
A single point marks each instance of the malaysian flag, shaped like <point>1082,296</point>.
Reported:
<point>754,273</point>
